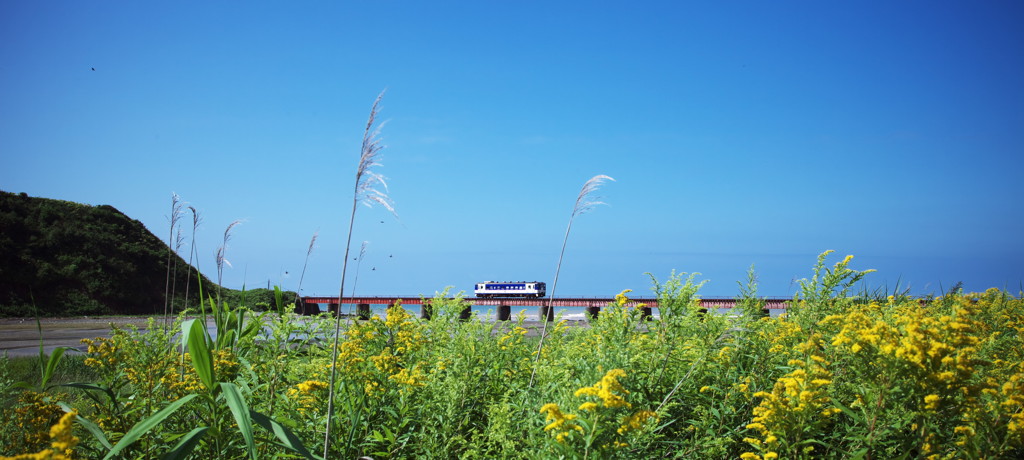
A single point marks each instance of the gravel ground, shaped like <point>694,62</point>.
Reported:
<point>20,336</point>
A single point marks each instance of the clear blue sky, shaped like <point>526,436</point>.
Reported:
<point>738,133</point>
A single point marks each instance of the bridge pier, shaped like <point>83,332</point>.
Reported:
<point>592,312</point>
<point>363,311</point>
<point>426,310</point>
<point>504,312</point>
<point>466,313</point>
<point>307,308</point>
<point>334,308</point>
<point>645,312</point>
<point>545,311</point>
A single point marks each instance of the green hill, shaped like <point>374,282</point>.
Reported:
<point>70,259</point>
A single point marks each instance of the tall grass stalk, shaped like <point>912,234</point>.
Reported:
<point>359,263</point>
<point>176,206</point>
<point>196,219</point>
<point>584,203</point>
<point>365,191</point>
<point>179,240</point>
<point>221,257</point>
<point>309,251</point>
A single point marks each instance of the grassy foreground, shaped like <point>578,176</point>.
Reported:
<point>838,376</point>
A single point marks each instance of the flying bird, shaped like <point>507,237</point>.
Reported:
<point>93,69</point>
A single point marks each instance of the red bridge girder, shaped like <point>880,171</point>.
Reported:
<point>720,302</point>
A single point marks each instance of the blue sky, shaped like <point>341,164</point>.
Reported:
<point>738,133</point>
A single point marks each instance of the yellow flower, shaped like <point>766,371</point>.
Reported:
<point>62,442</point>
<point>607,388</point>
<point>636,421</point>
<point>621,298</point>
<point>560,421</point>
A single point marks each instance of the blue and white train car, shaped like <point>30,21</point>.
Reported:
<point>533,289</point>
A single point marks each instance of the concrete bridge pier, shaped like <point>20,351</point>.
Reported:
<point>545,311</point>
<point>427,311</point>
<point>504,312</point>
<point>645,312</point>
<point>305,308</point>
<point>363,311</point>
<point>592,312</point>
<point>334,308</point>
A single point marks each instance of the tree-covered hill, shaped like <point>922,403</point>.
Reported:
<point>64,259</point>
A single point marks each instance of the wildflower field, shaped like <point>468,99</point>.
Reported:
<point>837,376</point>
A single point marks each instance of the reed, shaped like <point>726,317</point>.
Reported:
<point>584,202</point>
<point>309,252</point>
<point>196,219</point>
<point>176,205</point>
<point>365,191</point>
<point>359,263</point>
<point>222,257</point>
<point>179,240</point>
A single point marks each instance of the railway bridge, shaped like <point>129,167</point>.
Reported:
<point>311,304</point>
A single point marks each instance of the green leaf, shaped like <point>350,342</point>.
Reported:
<point>240,409</point>
<point>279,299</point>
<point>92,386</point>
<point>186,326</point>
<point>186,445</point>
<point>253,327</point>
<point>846,410</point>
<point>91,427</point>
<point>145,425</point>
<point>859,454</point>
<point>51,364</point>
<point>199,350</point>
<point>287,438</point>
<point>225,339</point>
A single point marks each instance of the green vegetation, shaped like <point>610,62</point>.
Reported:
<point>59,258</point>
<point>838,376</point>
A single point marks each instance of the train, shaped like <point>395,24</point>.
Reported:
<point>523,289</point>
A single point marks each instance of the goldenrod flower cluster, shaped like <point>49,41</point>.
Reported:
<point>560,422</point>
<point>797,404</point>
<point>308,395</point>
<point>378,354</point>
<point>34,414</point>
<point>1012,402</point>
<point>609,394</point>
<point>62,442</point>
<point>608,390</point>
<point>621,299</point>
<point>102,352</point>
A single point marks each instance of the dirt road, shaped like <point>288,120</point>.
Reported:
<point>20,336</point>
